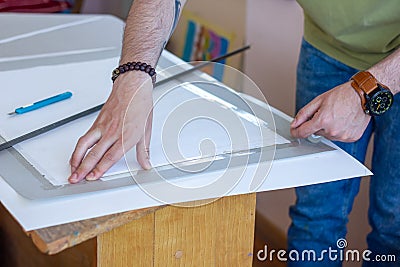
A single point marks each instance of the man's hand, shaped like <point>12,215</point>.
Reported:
<point>336,115</point>
<point>102,145</point>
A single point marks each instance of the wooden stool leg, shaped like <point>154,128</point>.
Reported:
<point>128,245</point>
<point>218,234</point>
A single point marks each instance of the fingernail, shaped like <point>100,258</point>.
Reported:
<point>73,177</point>
<point>293,122</point>
<point>148,165</point>
<point>90,177</point>
<point>73,169</point>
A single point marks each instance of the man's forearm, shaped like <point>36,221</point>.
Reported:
<point>388,71</point>
<point>148,27</point>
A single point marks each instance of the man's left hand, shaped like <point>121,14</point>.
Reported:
<point>336,115</point>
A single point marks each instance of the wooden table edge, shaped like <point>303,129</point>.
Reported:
<point>54,239</point>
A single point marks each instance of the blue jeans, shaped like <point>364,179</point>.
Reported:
<point>320,214</point>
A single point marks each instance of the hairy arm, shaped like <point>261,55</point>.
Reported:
<point>388,71</point>
<point>337,114</point>
<point>128,110</point>
<point>148,28</point>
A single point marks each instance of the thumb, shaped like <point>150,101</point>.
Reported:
<point>306,113</point>
<point>143,147</point>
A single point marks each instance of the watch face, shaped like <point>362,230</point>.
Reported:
<point>379,101</point>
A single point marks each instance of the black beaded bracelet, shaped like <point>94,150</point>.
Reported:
<point>139,66</point>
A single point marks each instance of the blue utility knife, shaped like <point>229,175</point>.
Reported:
<point>42,103</point>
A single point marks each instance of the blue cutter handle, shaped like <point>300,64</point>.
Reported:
<point>44,102</point>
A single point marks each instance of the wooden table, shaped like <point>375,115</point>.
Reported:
<point>217,234</point>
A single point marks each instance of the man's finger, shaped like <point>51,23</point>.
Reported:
<point>90,161</point>
<point>114,154</point>
<point>306,113</point>
<point>83,145</point>
<point>147,133</point>
<point>143,147</point>
<point>143,155</point>
<point>306,129</point>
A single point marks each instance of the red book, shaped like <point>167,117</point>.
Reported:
<point>34,6</point>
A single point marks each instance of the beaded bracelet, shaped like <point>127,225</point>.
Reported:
<point>139,66</point>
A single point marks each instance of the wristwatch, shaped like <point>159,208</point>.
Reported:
<point>376,98</point>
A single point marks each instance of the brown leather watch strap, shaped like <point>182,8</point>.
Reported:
<point>360,93</point>
<point>364,83</point>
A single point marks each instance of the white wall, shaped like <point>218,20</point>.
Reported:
<point>274,29</point>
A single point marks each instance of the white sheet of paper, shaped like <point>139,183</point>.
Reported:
<point>183,118</point>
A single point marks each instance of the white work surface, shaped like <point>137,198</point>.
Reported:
<point>96,47</point>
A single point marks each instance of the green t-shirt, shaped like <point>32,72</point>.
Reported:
<point>358,33</point>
